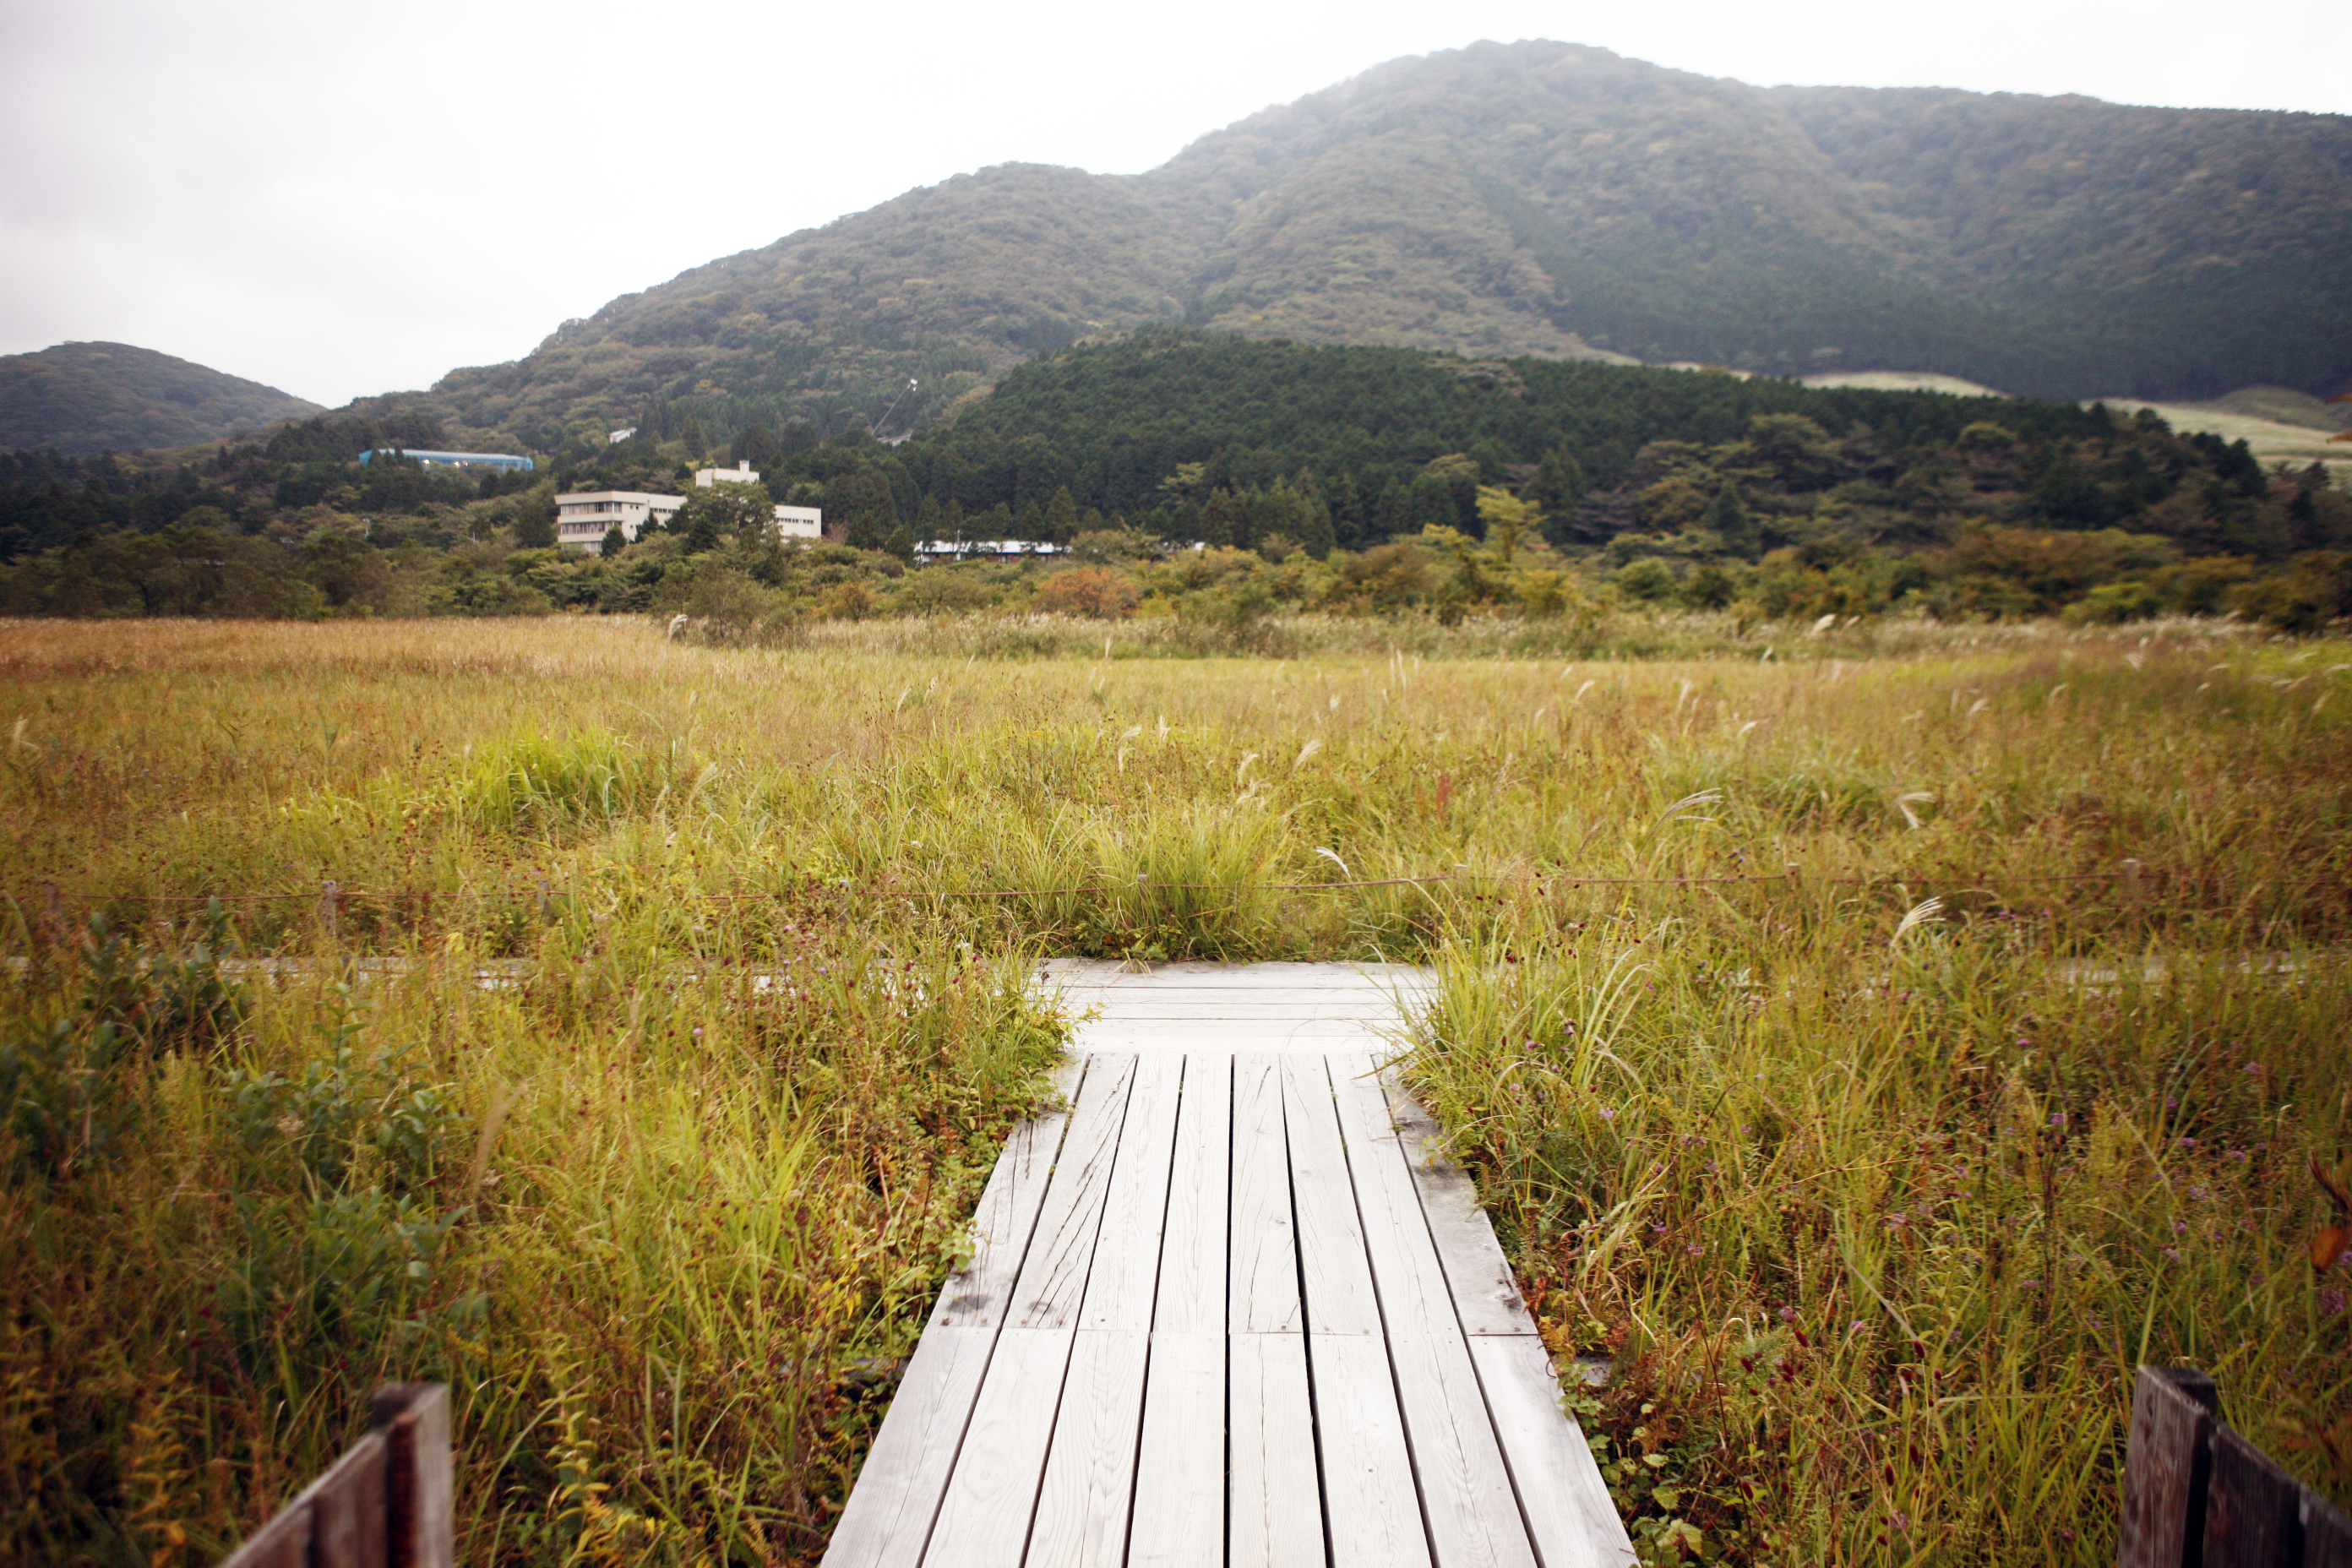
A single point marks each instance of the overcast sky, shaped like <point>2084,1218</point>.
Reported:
<point>340,199</point>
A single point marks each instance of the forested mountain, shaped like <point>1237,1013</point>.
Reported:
<point>86,398</point>
<point>1531,198</point>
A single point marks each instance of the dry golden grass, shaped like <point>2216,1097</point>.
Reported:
<point>665,1220</point>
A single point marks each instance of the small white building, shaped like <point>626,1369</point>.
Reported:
<point>582,516</point>
<point>743,473</point>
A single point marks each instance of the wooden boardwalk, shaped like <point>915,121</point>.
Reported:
<point>1227,1310</point>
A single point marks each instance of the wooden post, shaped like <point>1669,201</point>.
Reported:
<point>2174,1412</point>
<point>328,893</point>
<point>413,1420</point>
<point>338,1521</point>
<point>2254,1518</point>
<point>386,1503</point>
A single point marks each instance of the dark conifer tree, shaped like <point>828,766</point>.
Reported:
<point>1221,519</point>
<point>1061,516</point>
<point>1558,487</point>
<point>1315,534</point>
<point>1727,519</point>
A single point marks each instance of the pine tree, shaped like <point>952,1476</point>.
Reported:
<point>1315,534</point>
<point>1727,519</point>
<point>615,541</point>
<point>1221,519</point>
<point>1558,487</point>
<point>1061,516</point>
<point>533,529</point>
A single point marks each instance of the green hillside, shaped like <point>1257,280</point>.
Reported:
<point>1532,198</point>
<point>87,398</point>
<point>1354,482</point>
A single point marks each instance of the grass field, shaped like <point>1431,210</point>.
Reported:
<point>1870,1117</point>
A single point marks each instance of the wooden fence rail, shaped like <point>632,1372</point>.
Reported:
<point>386,1503</point>
<point>2198,1495</point>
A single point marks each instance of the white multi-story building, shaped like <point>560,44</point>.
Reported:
<point>582,516</point>
<point>792,521</point>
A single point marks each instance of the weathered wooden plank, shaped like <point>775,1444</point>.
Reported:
<point>283,1542</point>
<point>1414,1292</point>
<point>975,1296</point>
<point>336,1522</point>
<point>2253,1510</point>
<point>1275,1519</point>
<point>1082,1507</point>
<point>1467,1496</point>
<point>1192,1249</point>
<point>1053,1278</point>
<point>991,1495</point>
<point>1126,1271</point>
<point>1334,1273</point>
<point>1457,1402</point>
<point>891,1508</point>
<point>1465,1488</point>
<point>1210,1031</point>
<point>1227,1047</point>
<point>1178,1518</point>
<point>2326,1534</point>
<point>1485,1297</point>
<point>1369,1501</point>
<point>1265,1268</point>
<point>348,1523</point>
<point>1563,1499</point>
<point>2166,1468</point>
<point>1245,1000</point>
<point>1115,972</point>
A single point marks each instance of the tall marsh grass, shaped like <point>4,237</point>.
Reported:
<point>1765,1026</point>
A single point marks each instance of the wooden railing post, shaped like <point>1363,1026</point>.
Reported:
<point>414,1418</point>
<point>387,1503</point>
<point>2199,1495</point>
<point>2174,1410</point>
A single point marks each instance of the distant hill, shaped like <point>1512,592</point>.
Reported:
<point>1538,198</point>
<point>86,398</point>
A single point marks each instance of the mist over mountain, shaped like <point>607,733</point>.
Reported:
<point>1530,198</point>
<point>87,398</point>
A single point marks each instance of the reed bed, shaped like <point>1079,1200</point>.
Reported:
<point>1765,1026</point>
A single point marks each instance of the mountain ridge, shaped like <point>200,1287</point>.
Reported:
<point>1532,198</point>
<point>1528,198</point>
<point>84,398</point>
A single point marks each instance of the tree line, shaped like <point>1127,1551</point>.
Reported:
<point>1652,485</point>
